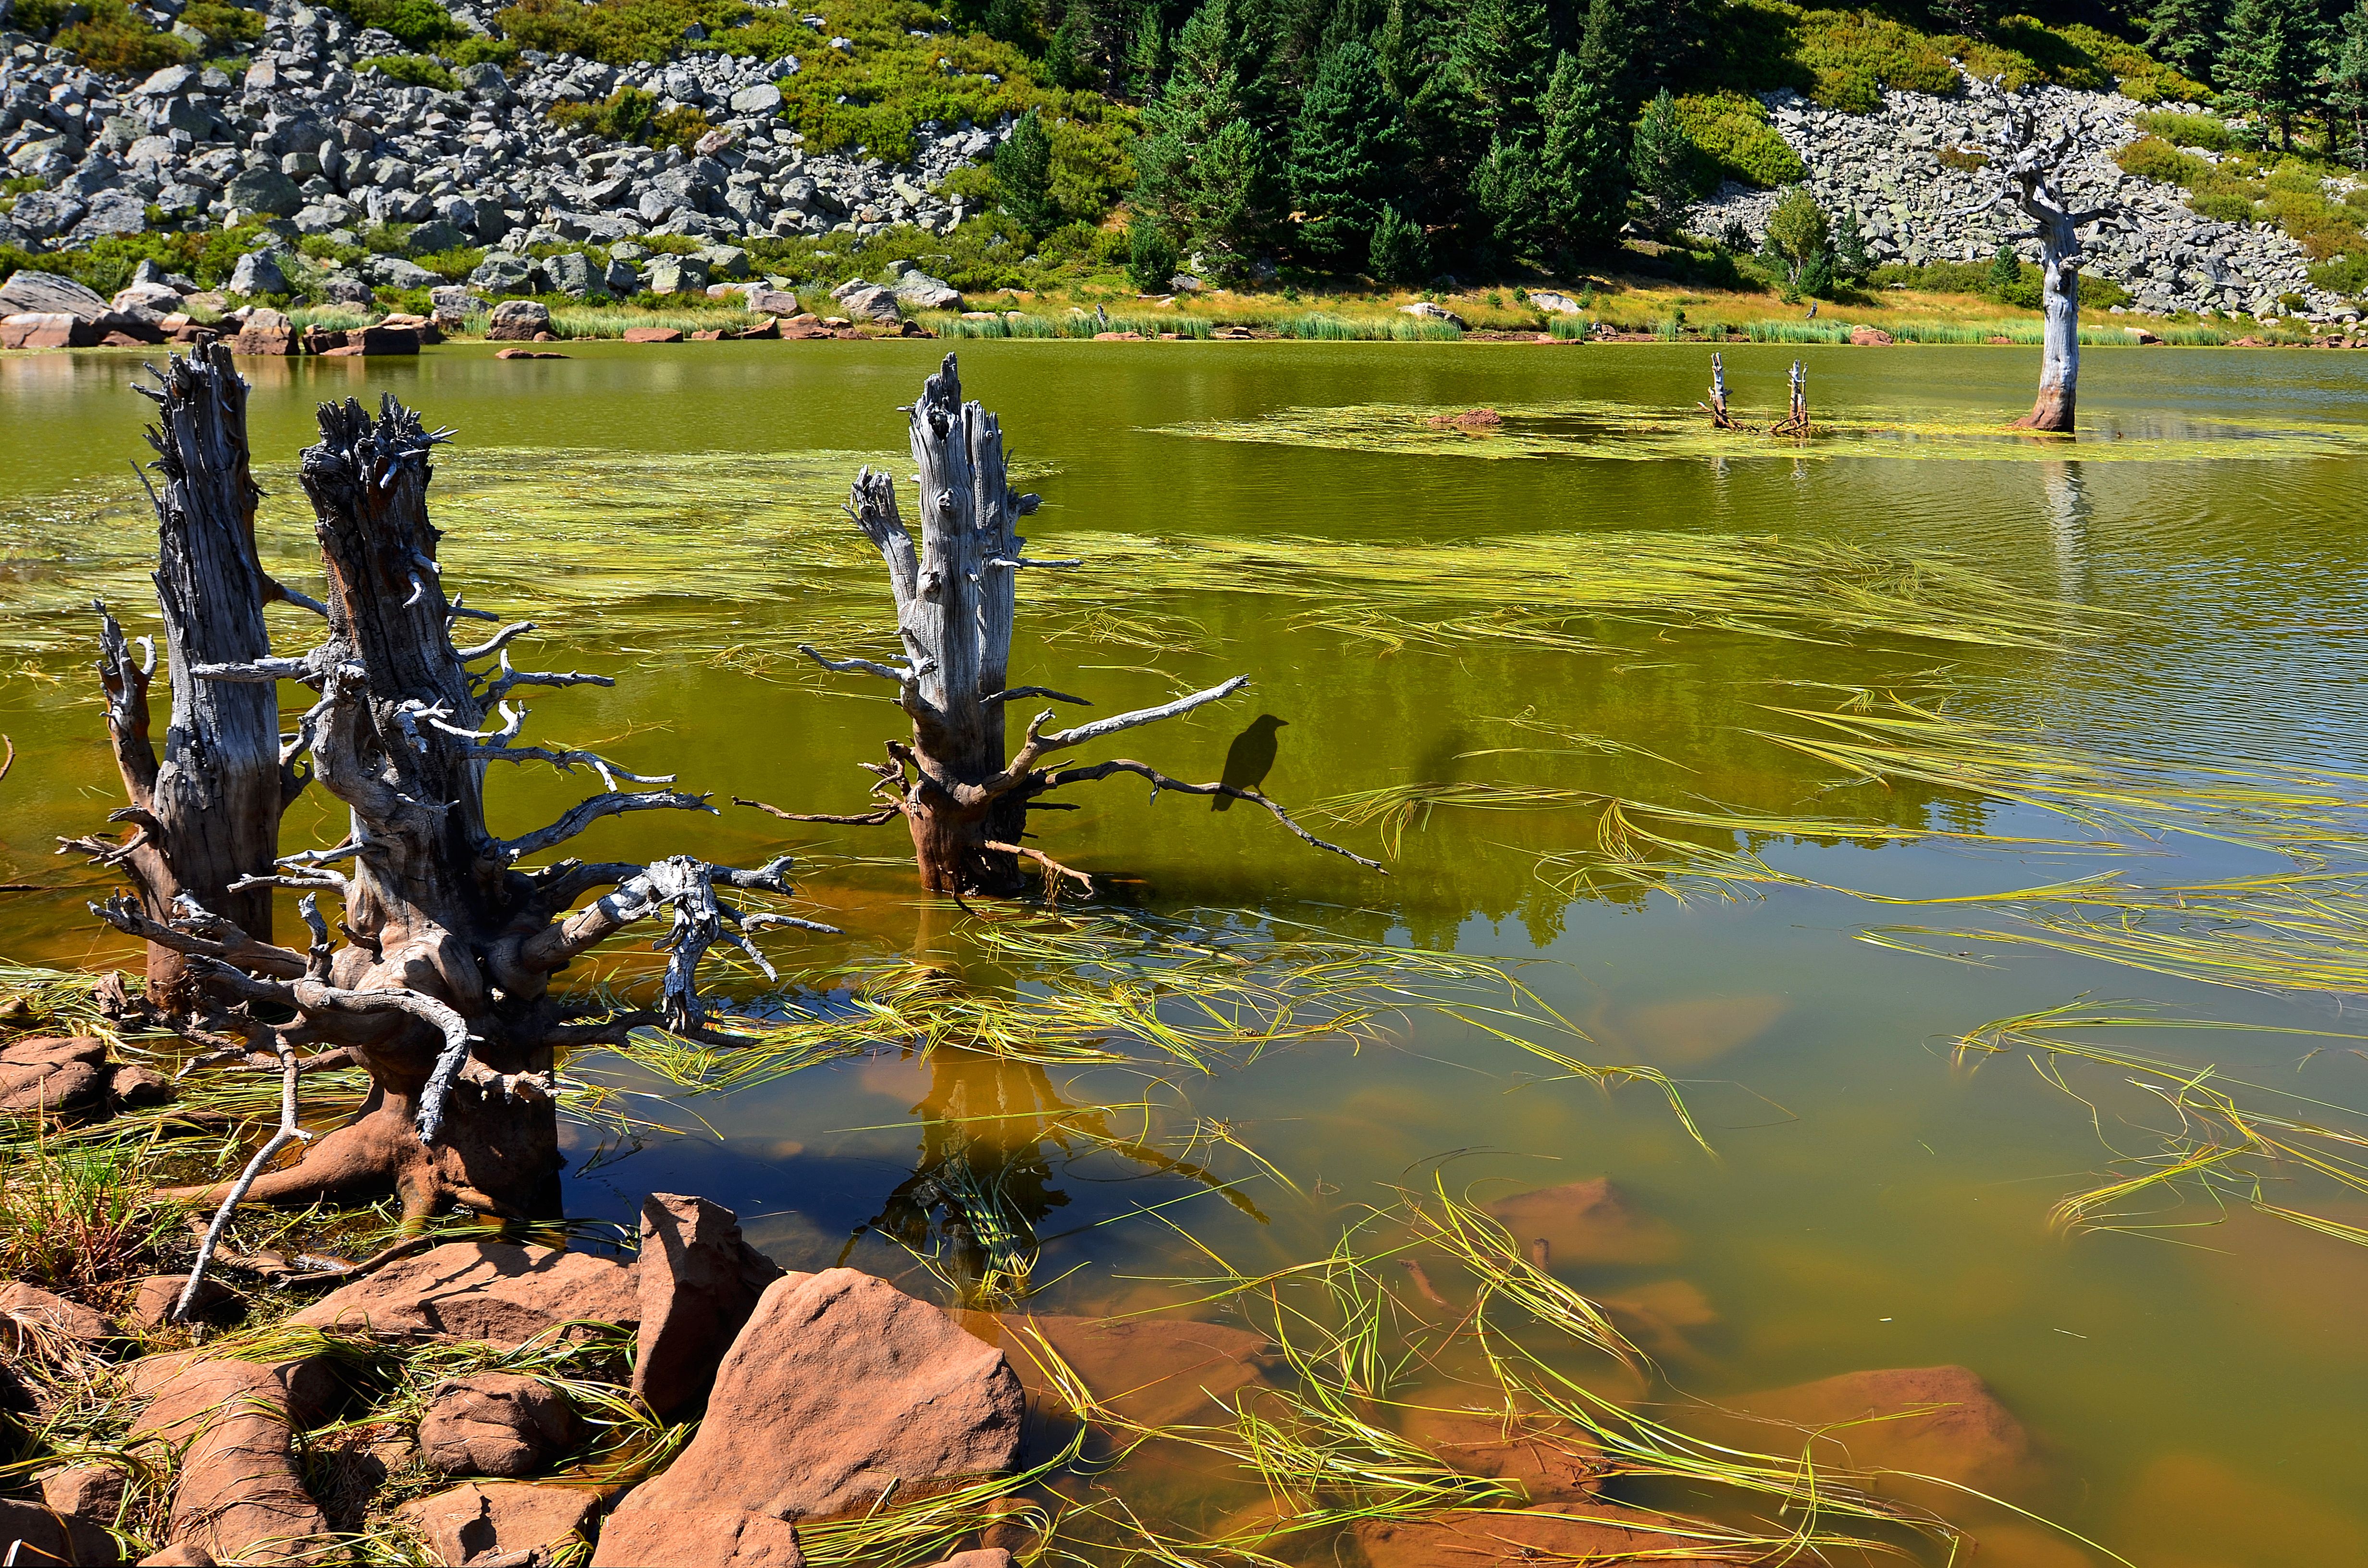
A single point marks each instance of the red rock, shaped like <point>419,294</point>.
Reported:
<point>526,354</point>
<point>423,327</point>
<point>239,1494</point>
<point>984,1557</point>
<point>2140,335</point>
<point>492,1291</point>
<point>766,329</point>
<point>708,335</point>
<point>28,1315</point>
<point>915,329</point>
<point>384,339</point>
<point>321,340</point>
<point>278,343</point>
<point>1871,338</point>
<point>132,1086</point>
<point>699,1281</point>
<point>1658,1317</point>
<point>119,339</point>
<point>1568,1533</point>
<point>30,1534</point>
<point>497,1423</point>
<point>180,1554</point>
<point>342,351</point>
<point>1937,1421</point>
<point>652,335</point>
<point>51,1073</point>
<point>1118,337</point>
<point>1154,1370</point>
<point>712,1538</point>
<point>804,318</point>
<point>472,1523</point>
<point>1584,1222</point>
<point>49,330</point>
<point>840,1387</point>
<point>518,321</point>
<point>1553,1461</point>
<point>546,338</point>
<point>154,1299</point>
<point>92,1491</point>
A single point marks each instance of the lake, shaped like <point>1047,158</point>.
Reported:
<point>1744,757</point>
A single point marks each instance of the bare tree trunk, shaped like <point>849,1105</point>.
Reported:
<point>442,991</point>
<point>1717,403</point>
<point>956,598</point>
<point>207,814</point>
<point>2059,355</point>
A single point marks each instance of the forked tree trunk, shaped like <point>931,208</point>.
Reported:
<point>2033,168</point>
<point>206,815</point>
<point>442,993</point>
<point>964,795</point>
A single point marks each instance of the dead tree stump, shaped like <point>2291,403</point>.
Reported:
<point>205,814</point>
<point>1716,406</point>
<point>442,991</point>
<point>2033,167</point>
<point>954,784</point>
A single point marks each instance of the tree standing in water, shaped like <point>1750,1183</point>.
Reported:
<point>2034,167</point>
<point>965,796</point>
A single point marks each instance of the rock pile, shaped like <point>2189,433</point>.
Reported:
<point>312,137</point>
<point>1912,205</point>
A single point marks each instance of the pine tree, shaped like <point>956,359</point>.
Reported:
<point>1349,149</point>
<point>1797,231</point>
<point>1412,47</point>
<point>1068,54</point>
<point>1205,163</point>
<point>1151,259</point>
<point>1501,54</point>
<point>1399,254</point>
<point>1013,22</point>
<point>1586,159</point>
<point>2347,90</point>
<point>1023,176</point>
<point>2006,272</point>
<point>1512,195</point>
<point>1852,264</point>
<point>1146,55</point>
<point>2270,58</point>
<point>2184,35</point>
<point>1664,42</point>
<point>1663,163</point>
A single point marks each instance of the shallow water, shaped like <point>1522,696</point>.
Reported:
<point>1870,1202</point>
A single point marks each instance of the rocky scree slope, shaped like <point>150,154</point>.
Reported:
<point>308,138</point>
<point>1886,168</point>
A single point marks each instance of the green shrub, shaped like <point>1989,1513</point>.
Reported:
<point>1854,55</point>
<point>2184,129</point>
<point>2141,76</point>
<point>115,40</point>
<point>2346,274</point>
<point>2298,202</point>
<point>1753,48</point>
<point>2222,207</point>
<point>224,25</point>
<point>632,114</point>
<point>419,70</point>
<point>1151,259</point>
<point>419,25</point>
<point>1735,141</point>
<point>41,16</point>
<point>476,49</point>
<point>2151,157</point>
<point>619,32</point>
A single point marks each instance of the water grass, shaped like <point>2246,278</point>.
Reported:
<point>2227,1142</point>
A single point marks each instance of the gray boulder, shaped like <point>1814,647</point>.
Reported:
<point>570,273</point>
<point>504,273</point>
<point>113,212</point>
<point>394,272</point>
<point>725,261</point>
<point>264,190</point>
<point>258,273</point>
<point>41,213</point>
<point>172,81</point>
<point>346,289</point>
<point>432,236</point>
<point>762,100</point>
<point>677,275</point>
<point>46,293</point>
<point>918,290</point>
<point>518,321</point>
<point>621,278</point>
<point>869,299</point>
<point>485,83</point>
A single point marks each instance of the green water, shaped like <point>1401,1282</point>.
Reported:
<point>1871,1202</point>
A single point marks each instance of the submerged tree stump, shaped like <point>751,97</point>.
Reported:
<point>442,989</point>
<point>954,783</point>
<point>1716,406</point>
<point>205,814</point>
<point>1796,420</point>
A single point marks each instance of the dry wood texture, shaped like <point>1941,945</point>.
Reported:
<point>962,794</point>
<point>442,990</point>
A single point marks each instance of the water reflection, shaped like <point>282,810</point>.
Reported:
<point>2069,512</point>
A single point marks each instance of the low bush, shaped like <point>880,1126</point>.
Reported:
<point>416,70</point>
<point>1854,55</point>
<point>632,114</point>
<point>1732,133</point>
<point>2139,75</point>
<point>117,42</point>
<point>418,25</point>
<point>224,26</point>
<point>2185,128</point>
<point>618,32</point>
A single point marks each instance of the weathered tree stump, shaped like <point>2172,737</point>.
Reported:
<point>2033,167</point>
<point>1796,422</point>
<point>965,799</point>
<point>442,991</point>
<point>1716,406</point>
<point>205,814</point>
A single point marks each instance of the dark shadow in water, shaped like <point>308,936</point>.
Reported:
<point>1250,759</point>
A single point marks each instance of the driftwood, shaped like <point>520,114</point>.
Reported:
<point>2033,167</point>
<point>442,989</point>
<point>205,815</point>
<point>964,797</point>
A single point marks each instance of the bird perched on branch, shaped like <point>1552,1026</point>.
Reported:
<point>1250,759</point>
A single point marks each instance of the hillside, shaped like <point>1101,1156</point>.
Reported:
<point>642,150</point>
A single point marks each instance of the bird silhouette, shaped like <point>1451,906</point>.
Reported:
<point>1250,759</point>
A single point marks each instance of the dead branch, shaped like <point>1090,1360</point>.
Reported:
<point>1160,781</point>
